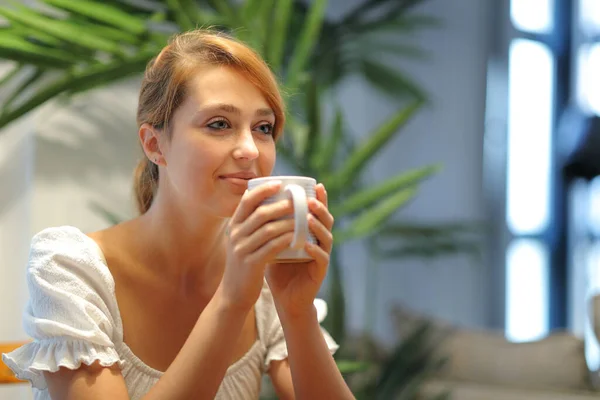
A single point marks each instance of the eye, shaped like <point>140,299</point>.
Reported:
<point>266,129</point>
<point>218,124</point>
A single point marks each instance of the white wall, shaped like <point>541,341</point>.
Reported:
<point>16,176</point>
<point>450,132</point>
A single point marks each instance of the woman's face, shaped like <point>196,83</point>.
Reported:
<point>222,136</point>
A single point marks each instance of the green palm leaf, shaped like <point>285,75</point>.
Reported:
<point>371,220</point>
<point>228,11</point>
<point>33,35</point>
<point>349,367</point>
<point>64,30</point>
<point>90,77</point>
<point>182,17</point>
<point>278,34</point>
<point>323,156</point>
<point>256,18</point>
<point>370,146</point>
<point>102,12</point>
<point>313,111</point>
<point>369,196</point>
<point>19,49</point>
<point>305,44</point>
<point>389,80</point>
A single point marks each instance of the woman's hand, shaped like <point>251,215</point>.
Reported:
<point>295,285</point>
<point>256,235</point>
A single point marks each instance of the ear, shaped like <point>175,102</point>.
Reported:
<point>150,139</point>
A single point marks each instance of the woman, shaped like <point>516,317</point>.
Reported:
<point>173,304</point>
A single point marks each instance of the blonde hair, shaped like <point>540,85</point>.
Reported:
<point>165,81</point>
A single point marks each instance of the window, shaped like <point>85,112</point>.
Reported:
<point>531,103</point>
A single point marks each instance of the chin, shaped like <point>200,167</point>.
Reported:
<point>225,209</point>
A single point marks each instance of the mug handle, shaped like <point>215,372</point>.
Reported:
<point>300,215</point>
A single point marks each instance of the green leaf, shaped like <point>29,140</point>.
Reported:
<point>428,232</point>
<point>305,44</point>
<point>431,249</point>
<point>103,31</point>
<point>64,30</point>
<point>313,110</point>
<point>256,17</point>
<point>104,13</point>
<point>182,18</point>
<point>390,80</point>
<point>34,77</point>
<point>412,362</point>
<point>296,135</point>
<point>100,74</point>
<point>335,322</point>
<point>278,34</point>
<point>34,35</point>
<point>369,196</point>
<point>193,11</point>
<point>20,50</point>
<point>372,219</point>
<point>430,240</point>
<point>325,154</point>
<point>227,11</point>
<point>370,146</point>
<point>349,367</point>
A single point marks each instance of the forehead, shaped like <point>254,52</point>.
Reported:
<point>219,84</point>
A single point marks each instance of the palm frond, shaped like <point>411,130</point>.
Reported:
<point>61,29</point>
<point>279,32</point>
<point>373,142</point>
<point>306,41</point>
<point>371,220</point>
<point>103,13</point>
<point>367,197</point>
<point>92,76</point>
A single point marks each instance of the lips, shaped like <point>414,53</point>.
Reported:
<point>239,178</point>
<point>240,175</point>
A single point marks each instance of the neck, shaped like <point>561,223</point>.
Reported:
<point>188,250</point>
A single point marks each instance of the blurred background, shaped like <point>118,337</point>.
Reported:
<point>458,139</point>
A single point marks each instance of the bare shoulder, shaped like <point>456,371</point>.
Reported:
<point>116,243</point>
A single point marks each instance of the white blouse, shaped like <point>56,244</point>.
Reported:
<point>73,317</point>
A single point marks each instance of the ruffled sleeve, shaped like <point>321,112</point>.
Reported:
<point>274,339</point>
<point>72,313</point>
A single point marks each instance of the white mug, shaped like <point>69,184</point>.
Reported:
<point>299,188</point>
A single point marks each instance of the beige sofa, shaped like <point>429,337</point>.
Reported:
<point>483,365</point>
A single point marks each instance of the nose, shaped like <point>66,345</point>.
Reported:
<point>245,148</point>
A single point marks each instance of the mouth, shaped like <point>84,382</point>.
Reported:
<point>238,178</point>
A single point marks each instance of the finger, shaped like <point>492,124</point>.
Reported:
<point>253,198</point>
<point>322,234</point>
<point>262,215</point>
<point>320,211</point>
<point>320,256</point>
<point>322,194</point>
<point>265,234</point>
<point>269,251</point>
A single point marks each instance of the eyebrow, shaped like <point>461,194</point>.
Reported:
<point>230,108</point>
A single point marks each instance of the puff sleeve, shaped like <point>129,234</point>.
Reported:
<point>72,314</point>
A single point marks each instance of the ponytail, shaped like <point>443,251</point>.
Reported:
<point>144,184</point>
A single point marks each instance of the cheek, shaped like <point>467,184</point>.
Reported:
<point>267,159</point>
<point>195,163</point>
